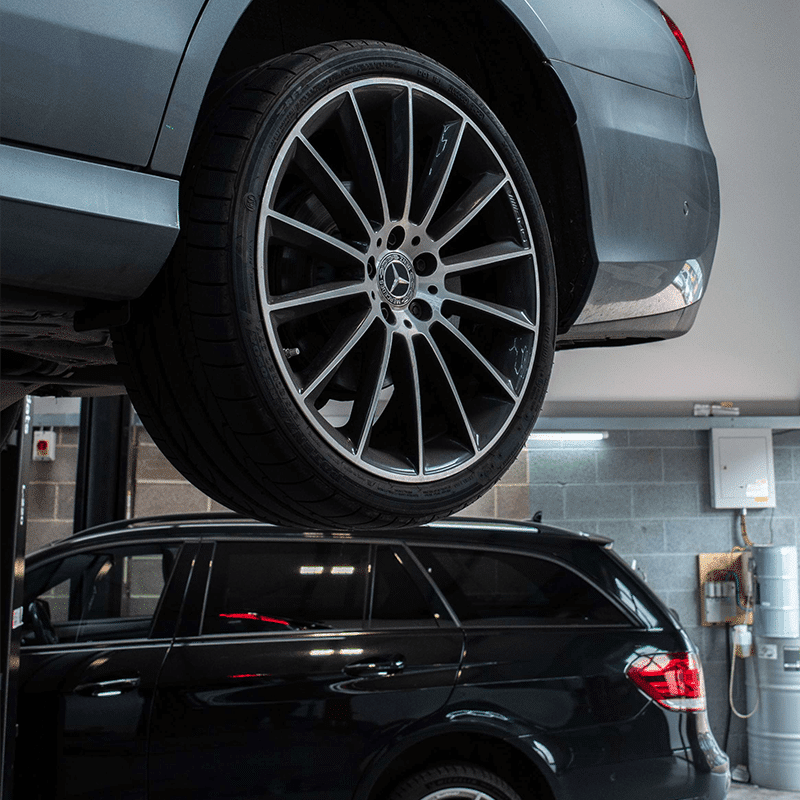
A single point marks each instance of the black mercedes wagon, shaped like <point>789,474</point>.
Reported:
<point>214,657</point>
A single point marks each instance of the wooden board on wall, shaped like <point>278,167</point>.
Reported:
<point>710,565</point>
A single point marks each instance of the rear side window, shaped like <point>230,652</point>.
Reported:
<point>285,586</point>
<point>486,587</point>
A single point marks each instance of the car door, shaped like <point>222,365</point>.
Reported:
<point>97,626</point>
<point>90,78</point>
<point>544,647</point>
<point>312,656</point>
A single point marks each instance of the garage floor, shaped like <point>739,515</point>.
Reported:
<point>742,791</point>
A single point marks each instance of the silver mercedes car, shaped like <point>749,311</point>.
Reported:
<point>329,249</point>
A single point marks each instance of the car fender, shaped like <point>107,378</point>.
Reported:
<point>215,25</point>
<point>623,39</point>
<point>543,754</point>
<point>562,30</point>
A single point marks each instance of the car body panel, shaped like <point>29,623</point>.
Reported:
<point>562,31</point>
<point>99,743</point>
<point>215,25</point>
<point>554,679</point>
<point>280,703</point>
<point>622,39</point>
<point>83,228</point>
<point>680,770</point>
<point>90,78</point>
<point>653,194</point>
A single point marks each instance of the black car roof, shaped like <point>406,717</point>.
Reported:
<point>464,530</point>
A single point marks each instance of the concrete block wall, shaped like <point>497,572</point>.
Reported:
<point>51,493</point>
<point>649,491</point>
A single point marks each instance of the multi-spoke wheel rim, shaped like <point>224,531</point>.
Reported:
<point>398,280</point>
<point>458,793</point>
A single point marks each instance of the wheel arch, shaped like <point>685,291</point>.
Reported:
<point>491,752</point>
<point>535,109</point>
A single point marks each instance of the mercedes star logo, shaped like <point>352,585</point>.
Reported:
<point>396,278</point>
<point>397,281</point>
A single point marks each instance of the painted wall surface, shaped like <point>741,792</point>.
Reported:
<point>745,344</point>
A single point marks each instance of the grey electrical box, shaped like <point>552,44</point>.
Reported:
<point>742,469</point>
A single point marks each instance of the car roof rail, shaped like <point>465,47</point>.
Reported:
<point>164,519</point>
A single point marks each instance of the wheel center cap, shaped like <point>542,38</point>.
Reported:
<point>396,278</point>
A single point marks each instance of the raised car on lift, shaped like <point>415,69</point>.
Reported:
<point>329,249</point>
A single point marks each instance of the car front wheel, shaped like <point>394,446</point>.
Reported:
<point>356,327</point>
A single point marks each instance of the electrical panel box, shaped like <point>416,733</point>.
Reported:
<point>742,469</point>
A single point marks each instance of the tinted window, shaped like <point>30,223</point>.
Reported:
<point>397,599</point>
<point>105,594</point>
<point>513,589</point>
<point>283,586</point>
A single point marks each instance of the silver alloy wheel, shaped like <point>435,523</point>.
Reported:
<point>458,793</point>
<point>398,281</point>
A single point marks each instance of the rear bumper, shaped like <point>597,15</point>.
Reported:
<point>695,769</point>
<point>667,778</point>
<point>654,201</point>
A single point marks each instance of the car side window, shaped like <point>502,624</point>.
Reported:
<point>277,586</point>
<point>397,600</point>
<point>515,589</point>
<point>101,595</point>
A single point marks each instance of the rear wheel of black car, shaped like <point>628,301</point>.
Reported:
<point>356,327</point>
<point>454,782</point>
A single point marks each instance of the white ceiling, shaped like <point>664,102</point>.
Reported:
<point>745,344</point>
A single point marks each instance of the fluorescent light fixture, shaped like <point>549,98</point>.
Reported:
<point>312,570</point>
<point>569,436</point>
<point>342,570</point>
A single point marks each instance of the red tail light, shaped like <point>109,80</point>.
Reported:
<point>673,680</point>
<point>676,32</point>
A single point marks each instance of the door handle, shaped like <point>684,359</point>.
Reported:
<point>377,668</point>
<point>110,688</point>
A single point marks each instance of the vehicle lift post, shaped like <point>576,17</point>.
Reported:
<point>100,496</point>
<point>16,465</point>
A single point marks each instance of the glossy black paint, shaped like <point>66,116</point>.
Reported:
<point>338,713</point>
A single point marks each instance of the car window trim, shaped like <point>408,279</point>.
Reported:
<point>189,550</point>
<point>182,549</point>
<point>278,636</point>
<point>105,644</point>
<point>429,581</point>
<point>635,623</point>
<point>437,607</point>
<point>209,567</point>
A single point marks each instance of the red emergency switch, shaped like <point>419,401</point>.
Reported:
<point>44,446</point>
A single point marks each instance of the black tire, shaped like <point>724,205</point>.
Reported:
<point>408,384</point>
<point>438,783</point>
